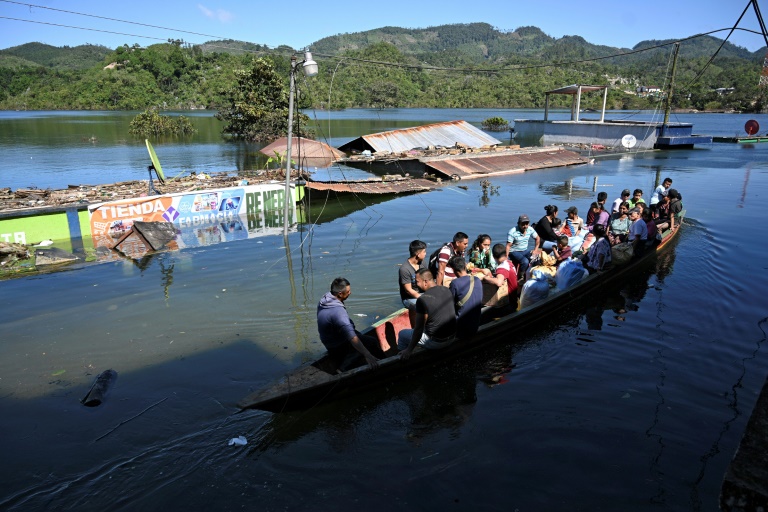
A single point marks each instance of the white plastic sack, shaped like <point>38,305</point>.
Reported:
<point>570,273</point>
<point>238,441</point>
<point>575,242</point>
<point>535,289</point>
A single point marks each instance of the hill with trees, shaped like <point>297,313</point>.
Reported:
<point>463,65</point>
<point>78,57</point>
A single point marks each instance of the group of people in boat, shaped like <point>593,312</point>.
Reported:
<point>444,293</point>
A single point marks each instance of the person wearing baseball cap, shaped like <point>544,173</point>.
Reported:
<point>572,220</point>
<point>518,240</point>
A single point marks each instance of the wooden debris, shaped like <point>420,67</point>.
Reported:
<point>12,252</point>
<point>157,234</point>
<point>77,195</point>
<point>53,256</point>
<point>403,185</point>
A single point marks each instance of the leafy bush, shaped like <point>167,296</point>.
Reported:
<point>496,124</point>
<point>150,122</point>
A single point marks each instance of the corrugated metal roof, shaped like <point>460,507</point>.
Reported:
<point>482,166</point>
<point>446,134</point>
<point>374,186</point>
<point>307,152</point>
<point>574,89</point>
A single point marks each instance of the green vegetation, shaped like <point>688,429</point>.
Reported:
<point>152,123</point>
<point>495,124</point>
<point>488,68</point>
<point>256,107</point>
<point>79,57</point>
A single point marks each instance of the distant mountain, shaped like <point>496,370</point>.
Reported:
<point>479,40</point>
<point>704,46</point>
<point>482,42</point>
<point>78,57</point>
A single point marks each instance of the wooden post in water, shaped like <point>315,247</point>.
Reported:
<point>605,100</point>
<point>578,102</point>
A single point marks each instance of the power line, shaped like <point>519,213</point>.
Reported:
<point>418,67</point>
<point>108,19</point>
<point>209,45</point>
<point>81,28</point>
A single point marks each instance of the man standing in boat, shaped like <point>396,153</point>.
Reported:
<point>337,331</point>
<point>435,318</point>
<point>661,191</point>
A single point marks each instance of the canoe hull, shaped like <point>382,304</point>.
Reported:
<point>310,385</point>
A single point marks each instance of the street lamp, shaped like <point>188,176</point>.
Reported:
<point>310,69</point>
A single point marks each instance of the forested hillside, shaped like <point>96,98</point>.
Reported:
<point>387,67</point>
<point>79,57</point>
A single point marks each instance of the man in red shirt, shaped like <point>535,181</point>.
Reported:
<point>505,271</point>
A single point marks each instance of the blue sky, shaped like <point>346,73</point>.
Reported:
<point>621,23</point>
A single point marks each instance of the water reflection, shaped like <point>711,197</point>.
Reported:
<point>489,190</point>
<point>743,198</point>
<point>567,191</point>
<point>436,400</point>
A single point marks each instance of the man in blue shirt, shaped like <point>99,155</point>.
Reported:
<point>518,240</point>
<point>337,332</point>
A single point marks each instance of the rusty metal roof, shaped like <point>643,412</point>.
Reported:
<point>481,166</point>
<point>307,152</point>
<point>446,134</point>
<point>374,186</point>
<point>574,89</point>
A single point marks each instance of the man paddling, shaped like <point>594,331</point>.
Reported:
<point>338,333</point>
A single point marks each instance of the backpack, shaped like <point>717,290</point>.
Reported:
<point>435,256</point>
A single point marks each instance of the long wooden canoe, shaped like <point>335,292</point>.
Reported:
<point>319,382</point>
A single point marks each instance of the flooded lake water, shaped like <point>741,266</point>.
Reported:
<point>635,399</point>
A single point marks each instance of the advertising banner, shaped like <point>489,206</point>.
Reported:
<point>262,205</point>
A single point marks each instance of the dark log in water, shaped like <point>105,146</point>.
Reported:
<point>100,388</point>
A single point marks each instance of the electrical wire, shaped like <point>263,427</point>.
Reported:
<point>712,57</point>
<point>419,67</point>
<point>111,19</point>
<point>81,28</point>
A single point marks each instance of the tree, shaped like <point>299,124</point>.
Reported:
<point>256,106</point>
<point>383,94</point>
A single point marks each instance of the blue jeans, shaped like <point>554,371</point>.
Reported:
<point>405,335</point>
<point>548,246</point>
<point>522,258</point>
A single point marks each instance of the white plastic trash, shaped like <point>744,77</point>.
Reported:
<point>238,441</point>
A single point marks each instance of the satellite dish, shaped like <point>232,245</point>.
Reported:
<point>628,141</point>
<point>751,127</point>
<point>155,162</point>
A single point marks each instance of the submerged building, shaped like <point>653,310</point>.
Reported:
<point>610,133</point>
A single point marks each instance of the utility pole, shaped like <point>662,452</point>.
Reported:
<point>670,90</point>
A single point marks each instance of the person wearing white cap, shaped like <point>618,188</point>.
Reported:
<point>518,240</point>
